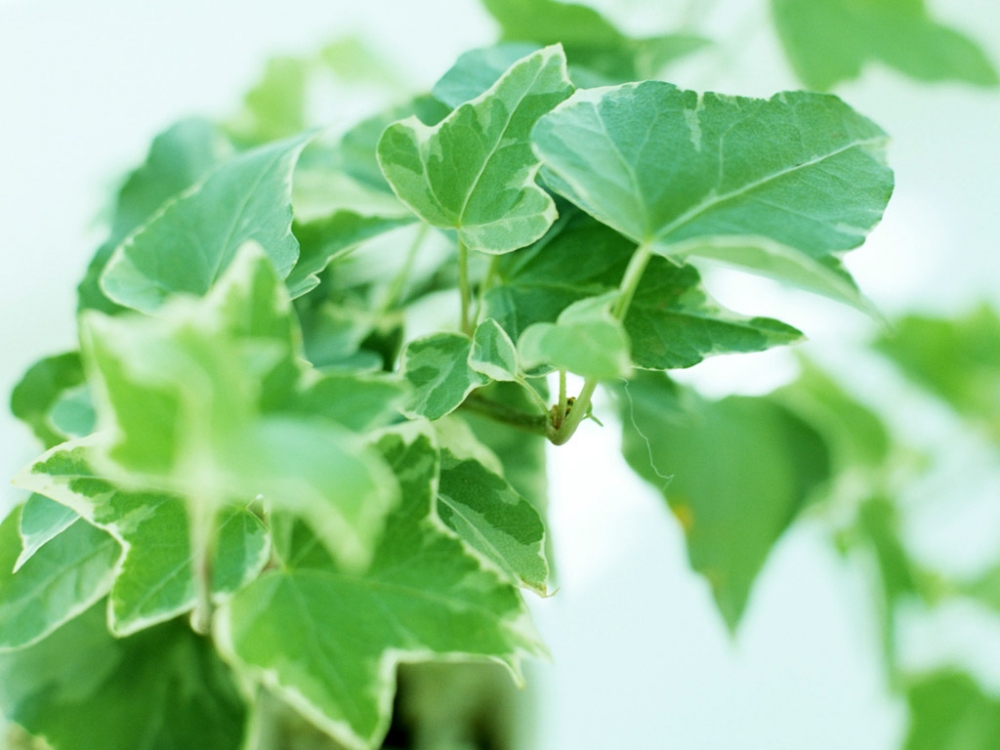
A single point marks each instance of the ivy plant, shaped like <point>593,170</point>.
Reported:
<point>301,444</point>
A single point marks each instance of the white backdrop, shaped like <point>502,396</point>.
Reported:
<point>640,658</point>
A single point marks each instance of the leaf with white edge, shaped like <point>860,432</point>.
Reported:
<point>667,167</point>
<point>42,520</point>
<point>324,240</point>
<point>950,711</point>
<point>81,688</point>
<point>178,158</point>
<point>832,41</point>
<point>485,511</point>
<point>199,402</point>
<point>437,366</point>
<point>73,412</point>
<point>61,580</point>
<point>673,323</point>
<point>586,340</point>
<point>188,244</point>
<point>475,172</point>
<point>155,580</point>
<point>735,473</point>
<point>423,597</point>
<point>493,353</point>
<point>40,388</point>
<point>477,70</point>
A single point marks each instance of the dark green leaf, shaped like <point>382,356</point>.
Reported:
<point>33,398</point>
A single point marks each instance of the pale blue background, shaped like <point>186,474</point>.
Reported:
<point>640,658</point>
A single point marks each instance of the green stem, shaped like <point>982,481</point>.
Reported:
<point>563,399</point>
<point>581,407</point>
<point>463,287</point>
<point>202,521</point>
<point>537,424</point>
<point>264,732</point>
<point>395,289</point>
<point>542,405</point>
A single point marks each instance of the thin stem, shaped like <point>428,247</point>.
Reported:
<point>581,407</point>
<point>264,731</point>
<point>521,381</point>
<point>463,287</point>
<point>563,399</point>
<point>491,274</point>
<point>395,289</point>
<point>536,424</point>
<point>202,521</point>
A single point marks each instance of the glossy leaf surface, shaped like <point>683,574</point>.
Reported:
<point>493,353</point>
<point>437,366</point>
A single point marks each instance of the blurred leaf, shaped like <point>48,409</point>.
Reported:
<point>829,41</point>
<point>475,172</point>
<point>61,580</point>
<point>82,689</point>
<point>437,366</point>
<point>476,71</point>
<point>423,596</point>
<point>678,170</point>
<point>154,581</point>
<point>73,412</point>
<point>358,402</point>
<point>178,158</point>
<point>586,339</point>
<point>735,472</point>
<point>485,511</point>
<point>956,360</point>
<point>34,397</point>
<point>190,243</point>
<point>948,711</point>
<point>275,107</point>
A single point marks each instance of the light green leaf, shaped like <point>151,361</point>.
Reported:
<point>474,172</point>
<point>276,106</point>
<point>673,323</point>
<point>485,511</point>
<point>437,366</point>
<point>358,402</point>
<point>190,242</point>
<point>423,597</point>
<point>34,397</point>
<point>199,402</point>
<point>586,339</point>
<point>61,580</point>
<point>178,158</point>
<point>324,240</point>
<point>155,580</point>
<point>493,353</point>
<point>476,71</point>
<point>73,412</point>
<point>674,168</point>
<point>831,41</point>
<point>949,711</point>
<point>82,689</point>
<point>42,520</point>
<point>590,40</point>
<point>735,473</point>
<point>956,360</point>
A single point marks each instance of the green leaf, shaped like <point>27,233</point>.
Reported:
<point>324,240</point>
<point>735,473</point>
<point>61,580</point>
<point>678,170</point>
<point>437,366</point>
<point>956,360</point>
<point>81,689</point>
<point>42,520</point>
<point>831,41</point>
<point>34,397</point>
<point>73,412</point>
<point>474,172</point>
<point>178,158</point>
<point>485,511</point>
<point>155,580</point>
<point>424,596</point>
<point>190,242</point>
<point>358,402</point>
<point>590,40</point>
<point>476,71</point>
<point>276,106</point>
<point>493,353</point>
<point>948,711</point>
<point>357,151</point>
<point>199,402</point>
<point>586,339</point>
<point>672,322</point>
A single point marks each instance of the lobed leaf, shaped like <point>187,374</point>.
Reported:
<point>42,520</point>
<point>39,390</point>
<point>423,597</point>
<point>493,353</point>
<point>437,367</point>
<point>735,473</point>
<point>474,171</point>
